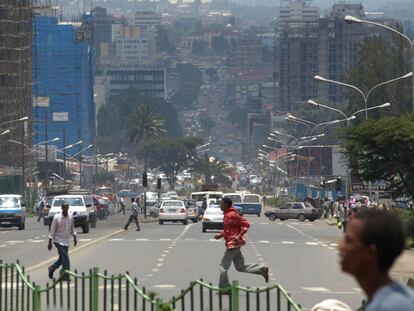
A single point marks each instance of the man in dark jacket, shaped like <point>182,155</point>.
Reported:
<point>235,228</point>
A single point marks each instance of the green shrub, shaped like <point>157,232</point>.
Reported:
<point>407,217</point>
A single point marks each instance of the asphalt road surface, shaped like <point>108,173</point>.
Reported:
<point>165,258</point>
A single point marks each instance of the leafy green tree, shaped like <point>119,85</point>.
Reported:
<point>169,155</point>
<point>384,149</point>
<point>220,44</point>
<point>113,119</point>
<point>143,125</point>
<point>209,167</point>
<point>379,61</point>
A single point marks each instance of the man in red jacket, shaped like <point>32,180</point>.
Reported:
<point>235,228</point>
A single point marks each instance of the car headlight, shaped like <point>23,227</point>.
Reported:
<point>82,213</point>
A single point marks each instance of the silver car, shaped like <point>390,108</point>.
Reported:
<point>174,211</point>
<point>294,210</point>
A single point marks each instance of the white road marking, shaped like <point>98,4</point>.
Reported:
<point>14,242</point>
<point>316,289</point>
<point>264,223</point>
<point>333,244</point>
<point>37,237</point>
<point>155,270</point>
<point>163,255</point>
<point>188,239</point>
<point>160,264</point>
<point>37,241</point>
<point>288,242</point>
<point>214,240</point>
<point>160,259</point>
<point>357,289</point>
<point>311,243</point>
<point>85,240</point>
<point>150,275</point>
<point>165,286</point>
<point>167,251</point>
<point>141,239</point>
<point>264,242</point>
<point>260,259</point>
<point>45,235</point>
<point>3,245</point>
<point>331,248</point>
<point>115,240</point>
<point>183,233</point>
<point>165,239</point>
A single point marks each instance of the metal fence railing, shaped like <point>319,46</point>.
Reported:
<point>100,291</point>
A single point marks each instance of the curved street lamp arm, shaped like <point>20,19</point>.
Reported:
<point>387,27</point>
<point>386,82</point>
<point>345,85</point>
<point>300,122</point>
<point>370,108</point>
<point>333,109</point>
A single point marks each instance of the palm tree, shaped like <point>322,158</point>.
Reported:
<point>211,168</point>
<point>144,125</point>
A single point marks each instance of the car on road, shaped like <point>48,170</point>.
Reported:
<point>294,210</point>
<point>93,215</point>
<point>173,211</point>
<point>213,218</point>
<point>193,213</point>
<point>77,208</point>
<point>12,211</point>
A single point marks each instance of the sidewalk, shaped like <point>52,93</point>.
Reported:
<point>403,269</point>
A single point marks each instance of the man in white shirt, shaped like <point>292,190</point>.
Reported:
<point>61,230</point>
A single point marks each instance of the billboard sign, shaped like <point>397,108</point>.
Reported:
<point>60,116</point>
<point>41,101</point>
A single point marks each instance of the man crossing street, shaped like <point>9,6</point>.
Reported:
<point>62,228</point>
<point>235,228</point>
<point>134,215</point>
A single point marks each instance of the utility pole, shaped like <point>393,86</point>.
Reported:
<point>64,154</point>
<point>23,161</point>
<point>46,153</point>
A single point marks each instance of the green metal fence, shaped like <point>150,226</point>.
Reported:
<point>99,291</point>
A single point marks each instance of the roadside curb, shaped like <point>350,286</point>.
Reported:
<point>73,250</point>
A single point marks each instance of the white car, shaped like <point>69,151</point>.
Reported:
<point>77,208</point>
<point>172,210</point>
<point>213,218</point>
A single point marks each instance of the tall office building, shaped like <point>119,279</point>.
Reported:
<point>63,88</point>
<point>298,44</point>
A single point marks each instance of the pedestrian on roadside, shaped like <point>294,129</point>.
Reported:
<point>61,230</point>
<point>40,206</point>
<point>133,216</point>
<point>326,207</point>
<point>235,228</point>
<point>369,248</point>
<point>121,205</point>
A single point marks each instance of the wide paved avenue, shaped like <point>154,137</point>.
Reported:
<point>166,258</point>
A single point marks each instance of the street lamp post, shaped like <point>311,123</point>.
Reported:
<point>350,20</point>
<point>348,119</point>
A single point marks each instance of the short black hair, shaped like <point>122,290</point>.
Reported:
<point>132,200</point>
<point>385,230</point>
<point>227,201</point>
<point>64,204</point>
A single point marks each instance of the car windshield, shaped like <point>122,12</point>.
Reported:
<point>70,201</point>
<point>251,199</point>
<point>173,204</point>
<point>104,191</point>
<point>234,197</point>
<point>9,202</point>
<point>213,211</point>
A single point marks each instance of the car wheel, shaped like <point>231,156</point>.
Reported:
<point>204,229</point>
<point>301,217</point>
<point>312,220</point>
<point>258,215</point>
<point>185,222</point>
<point>85,228</point>
<point>282,219</point>
<point>195,220</point>
<point>160,222</point>
<point>272,217</point>
<point>21,226</point>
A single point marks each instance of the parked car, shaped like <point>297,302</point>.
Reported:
<point>77,208</point>
<point>192,210</point>
<point>173,210</point>
<point>294,210</point>
<point>12,211</point>
<point>213,218</point>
